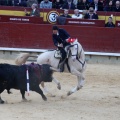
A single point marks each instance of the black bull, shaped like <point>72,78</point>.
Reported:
<point>13,76</point>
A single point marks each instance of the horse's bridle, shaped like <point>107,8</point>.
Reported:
<point>78,56</point>
<point>76,48</point>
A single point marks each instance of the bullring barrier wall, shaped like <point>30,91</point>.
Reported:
<point>39,36</point>
<point>101,45</point>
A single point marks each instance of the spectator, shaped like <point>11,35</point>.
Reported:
<point>39,1</point>
<point>35,12</point>
<point>20,3</point>
<point>83,5</point>
<point>46,4</point>
<point>77,15</point>
<point>91,14</point>
<point>110,23</point>
<point>30,2</point>
<point>61,20</point>
<point>6,2</point>
<point>68,5</point>
<point>57,4</point>
<point>116,8</point>
<point>75,2</point>
<point>109,6</point>
<point>98,6</point>
<point>65,14</point>
<point>90,1</point>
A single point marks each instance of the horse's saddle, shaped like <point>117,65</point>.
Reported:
<point>57,54</point>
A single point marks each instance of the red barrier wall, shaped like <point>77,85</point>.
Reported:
<point>40,36</point>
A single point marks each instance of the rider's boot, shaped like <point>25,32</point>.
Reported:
<point>63,59</point>
<point>61,65</point>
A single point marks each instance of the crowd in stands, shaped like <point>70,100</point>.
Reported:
<point>98,5</point>
<point>88,7</point>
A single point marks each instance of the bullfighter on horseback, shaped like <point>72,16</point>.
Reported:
<point>60,37</point>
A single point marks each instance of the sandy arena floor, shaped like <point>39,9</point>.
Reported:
<point>99,99</point>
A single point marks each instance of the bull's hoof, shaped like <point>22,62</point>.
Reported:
<point>44,98</point>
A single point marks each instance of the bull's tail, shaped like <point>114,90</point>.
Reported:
<point>22,58</point>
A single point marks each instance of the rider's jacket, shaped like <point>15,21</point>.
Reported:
<point>61,37</point>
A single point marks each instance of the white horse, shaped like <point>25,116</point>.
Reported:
<point>76,63</point>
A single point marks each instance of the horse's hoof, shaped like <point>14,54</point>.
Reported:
<point>44,98</point>
<point>2,102</point>
<point>51,95</point>
<point>59,86</point>
<point>63,96</point>
<point>69,93</point>
<point>24,100</point>
<point>78,88</point>
<point>9,92</point>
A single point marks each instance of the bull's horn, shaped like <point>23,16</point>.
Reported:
<point>54,69</point>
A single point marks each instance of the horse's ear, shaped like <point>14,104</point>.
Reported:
<point>76,40</point>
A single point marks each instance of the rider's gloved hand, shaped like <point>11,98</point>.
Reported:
<point>67,39</point>
<point>60,45</point>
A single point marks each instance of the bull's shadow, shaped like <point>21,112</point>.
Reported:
<point>24,78</point>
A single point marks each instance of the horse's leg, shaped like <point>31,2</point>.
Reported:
<point>76,72</point>
<point>1,90</point>
<point>54,79</point>
<point>1,101</point>
<point>81,81</point>
<point>58,83</point>
<point>80,78</point>
<point>46,89</point>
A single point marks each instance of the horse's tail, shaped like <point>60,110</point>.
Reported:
<point>22,58</point>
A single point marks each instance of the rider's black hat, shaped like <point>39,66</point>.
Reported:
<point>55,28</point>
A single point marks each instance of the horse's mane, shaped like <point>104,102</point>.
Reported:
<point>80,49</point>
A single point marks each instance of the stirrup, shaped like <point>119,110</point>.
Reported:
<point>57,54</point>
